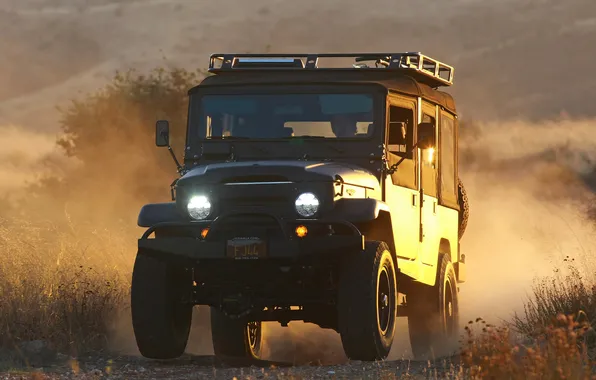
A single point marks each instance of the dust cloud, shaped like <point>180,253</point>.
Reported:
<point>530,183</point>
<point>27,156</point>
<point>531,193</point>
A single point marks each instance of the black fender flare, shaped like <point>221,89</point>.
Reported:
<point>359,210</point>
<point>154,213</point>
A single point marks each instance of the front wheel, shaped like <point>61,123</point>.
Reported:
<point>433,313</point>
<point>235,338</point>
<point>367,302</point>
<point>161,318</point>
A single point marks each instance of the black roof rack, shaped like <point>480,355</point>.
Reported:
<point>423,68</point>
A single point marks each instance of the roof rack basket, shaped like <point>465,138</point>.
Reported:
<point>423,68</point>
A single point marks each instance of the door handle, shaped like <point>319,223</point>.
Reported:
<point>414,200</point>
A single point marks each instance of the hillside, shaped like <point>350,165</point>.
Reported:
<point>514,58</point>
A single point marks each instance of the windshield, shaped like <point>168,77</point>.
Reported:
<point>275,116</point>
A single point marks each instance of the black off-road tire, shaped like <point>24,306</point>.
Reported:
<point>235,338</point>
<point>433,314</point>
<point>161,319</point>
<point>464,207</point>
<point>367,282</point>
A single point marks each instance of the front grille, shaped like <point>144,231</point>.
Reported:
<point>249,225</point>
<point>273,204</point>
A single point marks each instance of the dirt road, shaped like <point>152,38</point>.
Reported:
<point>207,367</point>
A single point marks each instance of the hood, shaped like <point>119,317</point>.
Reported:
<point>280,171</point>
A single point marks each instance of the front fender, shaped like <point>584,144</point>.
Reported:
<point>359,210</point>
<point>154,213</point>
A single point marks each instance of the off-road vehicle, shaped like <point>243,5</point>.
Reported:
<point>323,193</point>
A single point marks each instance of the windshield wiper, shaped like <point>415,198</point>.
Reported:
<point>307,137</point>
<point>228,138</point>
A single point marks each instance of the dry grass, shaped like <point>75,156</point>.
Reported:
<point>552,339</point>
<point>60,284</point>
<point>561,352</point>
<point>570,294</point>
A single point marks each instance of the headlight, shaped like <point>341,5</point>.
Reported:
<point>199,207</point>
<point>307,204</point>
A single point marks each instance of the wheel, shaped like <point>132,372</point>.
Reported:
<point>235,338</point>
<point>160,318</point>
<point>367,302</point>
<point>433,313</point>
<point>464,206</point>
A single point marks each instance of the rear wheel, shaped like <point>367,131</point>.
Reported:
<point>161,318</point>
<point>433,313</point>
<point>367,302</point>
<point>235,338</point>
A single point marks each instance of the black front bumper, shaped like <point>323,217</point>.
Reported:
<point>285,245</point>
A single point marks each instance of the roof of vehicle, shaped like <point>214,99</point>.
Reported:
<point>408,78</point>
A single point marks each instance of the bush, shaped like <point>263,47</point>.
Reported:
<point>66,258</point>
<point>110,135</point>
<point>570,294</point>
<point>560,353</point>
<point>552,339</point>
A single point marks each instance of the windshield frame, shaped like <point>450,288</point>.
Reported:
<point>378,94</point>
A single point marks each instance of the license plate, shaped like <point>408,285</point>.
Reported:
<point>246,248</point>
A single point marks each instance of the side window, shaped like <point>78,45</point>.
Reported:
<point>401,131</point>
<point>400,140</point>
<point>428,167</point>
<point>447,159</point>
<point>429,157</point>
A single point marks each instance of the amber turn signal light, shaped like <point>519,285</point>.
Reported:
<point>301,231</point>
<point>204,233</point>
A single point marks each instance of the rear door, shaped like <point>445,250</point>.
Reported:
<point>429,185</point>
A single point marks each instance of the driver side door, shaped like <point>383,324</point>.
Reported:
<point>402,187</point>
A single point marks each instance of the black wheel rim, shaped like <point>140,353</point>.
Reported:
<point>385,297</point>
<point>253,330</point>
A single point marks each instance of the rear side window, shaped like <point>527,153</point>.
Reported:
<point>447,153</point>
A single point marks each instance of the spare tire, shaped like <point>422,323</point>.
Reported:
<point>464,207</point>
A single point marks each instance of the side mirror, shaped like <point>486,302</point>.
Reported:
<point>426,135</point>
<point>162,133</point>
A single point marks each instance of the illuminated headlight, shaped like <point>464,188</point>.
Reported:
<point>307,204</point>
<point>199,207</point>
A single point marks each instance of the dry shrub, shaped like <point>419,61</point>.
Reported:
<point>560,352</point>
<point>60,286</point>
<point>552,339</point>
<point>570,294</point>
<point>68,244</point>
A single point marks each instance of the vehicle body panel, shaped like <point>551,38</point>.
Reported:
<point>256,179</point>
